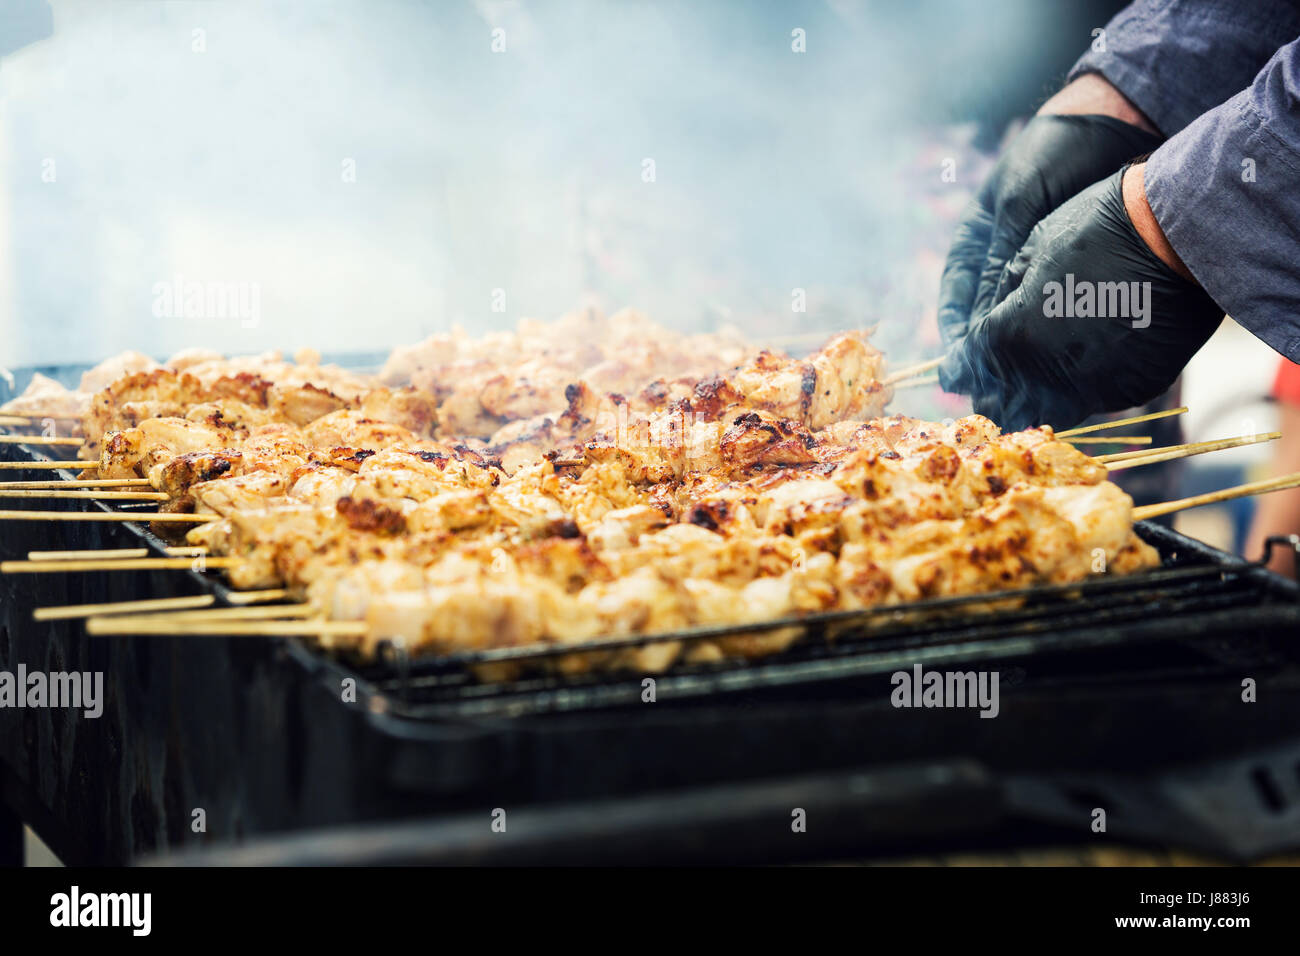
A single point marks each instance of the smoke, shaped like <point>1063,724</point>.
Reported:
<point>379,170</point>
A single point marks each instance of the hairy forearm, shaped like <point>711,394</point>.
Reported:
<point>1092,93</point>
<point>1144,220</point>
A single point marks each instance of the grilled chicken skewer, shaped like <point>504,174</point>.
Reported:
<point>475,386</point>
<point>536,504</point>
<point>615,530</point>
<point>1029,536</point>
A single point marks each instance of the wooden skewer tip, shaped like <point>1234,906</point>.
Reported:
<point>69,611</point>
<point>1227,494</point>
<point>1083,430</point>
<point>1153,456</point>
<point>1115,440</point>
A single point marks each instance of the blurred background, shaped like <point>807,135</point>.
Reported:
<point>362,173</point>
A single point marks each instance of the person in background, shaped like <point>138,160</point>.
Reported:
<point>1279,513</point>
<point>1207,223</point>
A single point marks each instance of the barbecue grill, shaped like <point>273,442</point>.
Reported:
<point>1123,693</point>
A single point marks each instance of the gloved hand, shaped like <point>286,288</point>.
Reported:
<point>1087,319</point>
<point>1051,160</point>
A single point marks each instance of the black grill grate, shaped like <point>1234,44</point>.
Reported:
<point>1193,593</point>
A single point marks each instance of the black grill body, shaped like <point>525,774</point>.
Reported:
<point>1126,690</point>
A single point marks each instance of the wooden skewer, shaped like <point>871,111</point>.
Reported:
<point>1168,453</point>
<point>1226,494</point>
<point>182,552</point>
<point>259,612</point>
<point>13,420</point>
<point>122,607</point>
<point>912,371</point>
<point>72,464</point>
<point>93,493</point>
<point>87,555</point>
<point>141,625</point>
<point>1113,440</point>
<point>161,516</point>
<point>1140,453</point>
<point>39,440</point>
<point>1123,421</point>
<point>155,604</point>
<point>253,597</point>
<point>924,381</point>
<point>1212,445</point>
<point>34,417</point>
<point>117,564</point>
<point>79,483</point>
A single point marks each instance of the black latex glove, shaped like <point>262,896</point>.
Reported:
<point>1034,360</point>
<point>1052,159</point>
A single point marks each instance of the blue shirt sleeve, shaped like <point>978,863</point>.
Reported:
<point>1175,59</point>
<point>1224,191</point>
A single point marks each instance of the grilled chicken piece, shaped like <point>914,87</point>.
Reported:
<point>246,387</point>
<point>521,503</point>
<point>502,377</point>
<point>519,443</point>
<point>1029,535</point>
<point>623,527</point>
<point>272,368</point>
<point>534,387</point>
<point>246,492</point>
<point>45,397</point>
<point>455,511</point>
<point>144,451</point>
<point>670,444</point>
<point>276,448</point>
<point>228,413</point>
<point>134,398</point>
<point>135,388</point>
<point>322,485</point>
<point>176,476</point>
<point>111,370</point>
<point>407,407</point>
<point>301,404</point>
<point>840,381</point>
<point>352,429</point>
